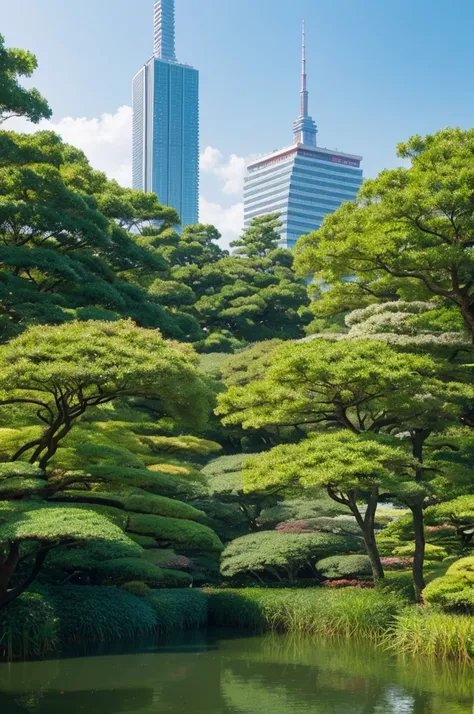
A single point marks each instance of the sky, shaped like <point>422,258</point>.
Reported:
<point>379,71</point>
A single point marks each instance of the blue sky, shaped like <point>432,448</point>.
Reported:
<point>379,71</point>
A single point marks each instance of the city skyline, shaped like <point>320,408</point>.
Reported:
<point>361,77</point>
<point>165,133</point>
<point>302,182</point>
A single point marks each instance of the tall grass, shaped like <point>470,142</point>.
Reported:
<point>349,613</point>
<point>427,632</point>
<point>28,628</point>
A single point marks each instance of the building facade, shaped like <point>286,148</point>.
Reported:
<point>302,182</point>
<point>166,123</point>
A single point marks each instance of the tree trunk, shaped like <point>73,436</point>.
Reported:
<point>8,568</point>
<point>367,526</point>
<point>418,441</point>
<point>419,559</point>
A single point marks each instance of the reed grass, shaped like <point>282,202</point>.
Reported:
<point>427,632</point>
<point>345,613</point>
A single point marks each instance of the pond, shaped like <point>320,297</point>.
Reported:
<point>221,672</point>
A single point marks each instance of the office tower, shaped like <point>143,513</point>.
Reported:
<point>166,123</point>
<point>302,182</point>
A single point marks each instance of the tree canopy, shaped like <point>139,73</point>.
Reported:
<point>15,100</point>
<point>408,236</point>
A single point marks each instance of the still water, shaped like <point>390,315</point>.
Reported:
<point>226,673</point>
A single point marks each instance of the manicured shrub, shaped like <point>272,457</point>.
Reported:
<point>344,566</point>
<point>398,582</point>
<point>28,628</point>
<point>281,554</point>
<point>189,535</point>
<point>340,525</point>
<point>137,588</point>
<point>179,609</point>
<point>455,590</point>
<point>100,614</point>
<point>176,579</point>
<point>432,552</point>
<point>124,570</point>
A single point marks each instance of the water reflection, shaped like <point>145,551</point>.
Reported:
<point>225,673</point>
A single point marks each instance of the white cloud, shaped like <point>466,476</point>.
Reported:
<point>230,172</point>
<point>107,143</point>
<point>229,221</point>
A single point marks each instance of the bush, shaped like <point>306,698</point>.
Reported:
<point>426,632</point>
<point>400,583</point>
<point>100,614</point>
<point>345,583</point>
<point>277,553</point>
<point>176,579</point>
<point>341,525</point>
<point>123,570</point>
<point>179,609</point>
<point>137,588</point>
<point>432,552</point>
<point>28,628</point>
<point>397,563</point>
<point>190,535</point>
<point>455,590</point>
<point>347,612</point>
<point>344,566</point>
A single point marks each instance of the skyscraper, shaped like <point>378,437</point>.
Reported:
<point>302,182</point>
<point>166,123</point>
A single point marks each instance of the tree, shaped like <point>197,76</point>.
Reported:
<point>281,554</point>
<point>359,385</point>
<point>65,251</point>
<point>63,371</point>
<point>409,236</point>
<point>225,481</point>
<point>351,467</point>
<point>15,100</point>
<point>31,528</point>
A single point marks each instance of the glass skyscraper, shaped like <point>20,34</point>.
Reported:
<point>302,182</point>
<point>166,123</point>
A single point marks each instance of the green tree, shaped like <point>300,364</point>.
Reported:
<point>15,100</point>
<point>409,235</point>
<point>358,385</point>
<point>63,371</point>
<point>281,555</point>
<point>354,469</point>
<point>66,250</point>
<point>30,528</point>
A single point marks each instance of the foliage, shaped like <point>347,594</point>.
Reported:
<point>187,534</point>
<point>67,247</point>
<point>348,612</point>
<point>179,609</point>
<point>137,588</point>
<point>281,554</point>
<point>454,591</point>
<point>28,628</point>
<point>64,371</point>
<point>122,570</point>
<point>409,235</point>
<point>424,632</point>
<point>225,480</point>
<point>15,100</point>
<point>344,566</point>
<point>100,614</point>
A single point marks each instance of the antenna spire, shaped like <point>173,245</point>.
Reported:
<point>304,89</point>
